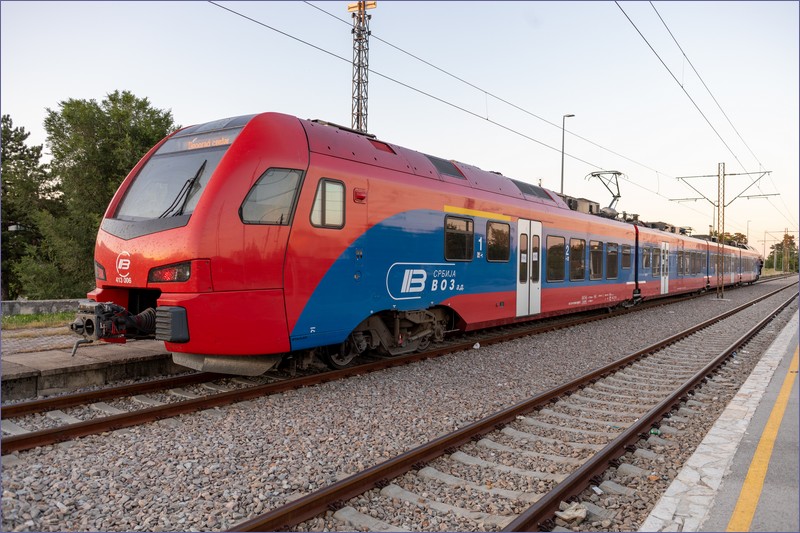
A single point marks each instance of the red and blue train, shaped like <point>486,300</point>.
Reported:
<point>248,240</point>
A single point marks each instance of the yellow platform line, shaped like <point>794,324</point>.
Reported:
<point>754,482</point>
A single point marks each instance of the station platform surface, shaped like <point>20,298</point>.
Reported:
<point>39,362</point>
<point>744,475</point>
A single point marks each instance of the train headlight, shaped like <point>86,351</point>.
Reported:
<point>171,273</point>
<point>99,271</point>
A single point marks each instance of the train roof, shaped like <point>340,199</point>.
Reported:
<point>345,143</point>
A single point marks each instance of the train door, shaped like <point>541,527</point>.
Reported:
<point>664,267</point>
<point>529,283</point>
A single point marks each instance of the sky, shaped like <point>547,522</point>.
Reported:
<point>496,81</point>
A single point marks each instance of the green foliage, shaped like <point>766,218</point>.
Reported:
<point>94,146</point>
<point>38,320</point>
<point>783,255</point>
<point>26,191</point>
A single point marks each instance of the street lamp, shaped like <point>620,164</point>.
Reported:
<point>563,120</point>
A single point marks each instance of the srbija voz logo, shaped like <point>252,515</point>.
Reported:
<point>408,281</point>
<point>123,264</point>
<point>414,280</point>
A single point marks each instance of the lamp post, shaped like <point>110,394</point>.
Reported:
<point>748,231</point>
<point>563,120</point>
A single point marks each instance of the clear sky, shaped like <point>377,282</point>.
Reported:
<point>547,58</point>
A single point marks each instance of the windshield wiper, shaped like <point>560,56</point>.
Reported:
<point>184,194</point>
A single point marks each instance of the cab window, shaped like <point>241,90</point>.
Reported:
<point>328,209</point>
<point>271,199</point>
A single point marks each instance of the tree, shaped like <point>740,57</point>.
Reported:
<point>783,255</point>
<point>26,189</point>
<point>94,146</point>
<point>738,237</point>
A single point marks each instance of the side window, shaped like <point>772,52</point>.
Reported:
<point>459,238</point>
<point>523,258</point>
<point>626,256</point>
<point>679,269</point>
<point>498,241</point>
<point>556,247</point>
<point>271,199</point>
<point>657,262</point>
<point>646,258</point>
<point>595,260</point>
<point>535,259</point>
<point>328,209</point>
<point>577,259</point>
<point>612,260</point>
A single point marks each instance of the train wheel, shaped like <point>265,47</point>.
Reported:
<point>424,343</point>
<point>338,357</point>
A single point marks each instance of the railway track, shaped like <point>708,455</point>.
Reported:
<point>512,470</point>
<point>72,416</point>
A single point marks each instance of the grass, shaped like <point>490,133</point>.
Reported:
<point>40,320</point>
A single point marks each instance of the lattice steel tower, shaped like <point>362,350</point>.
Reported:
<point>360,61</point>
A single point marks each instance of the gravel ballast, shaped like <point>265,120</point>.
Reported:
<point>211,470</point>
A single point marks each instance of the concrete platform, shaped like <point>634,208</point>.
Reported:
<point>744,475</point>
<point>27,374</point>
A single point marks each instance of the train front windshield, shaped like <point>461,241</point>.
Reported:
<point>173,179</point>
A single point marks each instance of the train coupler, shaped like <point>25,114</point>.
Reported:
<point>109,322</point>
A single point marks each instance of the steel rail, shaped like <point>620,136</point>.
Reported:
<point>544,509</point>
<point>524,330</point>
<point>318,502</point>
<point>110,393</point>
<point>55,435</point>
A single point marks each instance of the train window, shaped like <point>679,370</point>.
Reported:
<point>170,183</point>
<point>656,262</point>
<point>498,241</point>
<point>523,258</point>
<point>612,260</point>
<point>328,209</point>
<point>271,199</point>
<point>626,256</point>
<point>679,269</point>
<point>595,260</point>
<point>459,238</point>
<point>535,259</point>
<point>556,248</point>
<point>646,252</point>
<point>577,259</point>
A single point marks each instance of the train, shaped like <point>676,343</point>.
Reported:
<point>257,239</point>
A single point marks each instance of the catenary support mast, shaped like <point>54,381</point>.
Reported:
<point>360,62</point>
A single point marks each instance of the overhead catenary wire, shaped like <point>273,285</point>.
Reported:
<point>706,86</point>
<point>760,165</point>
<point>681,86</point>
<point>489,93</point>
<point>439,99</point>
<point>407,86</point>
